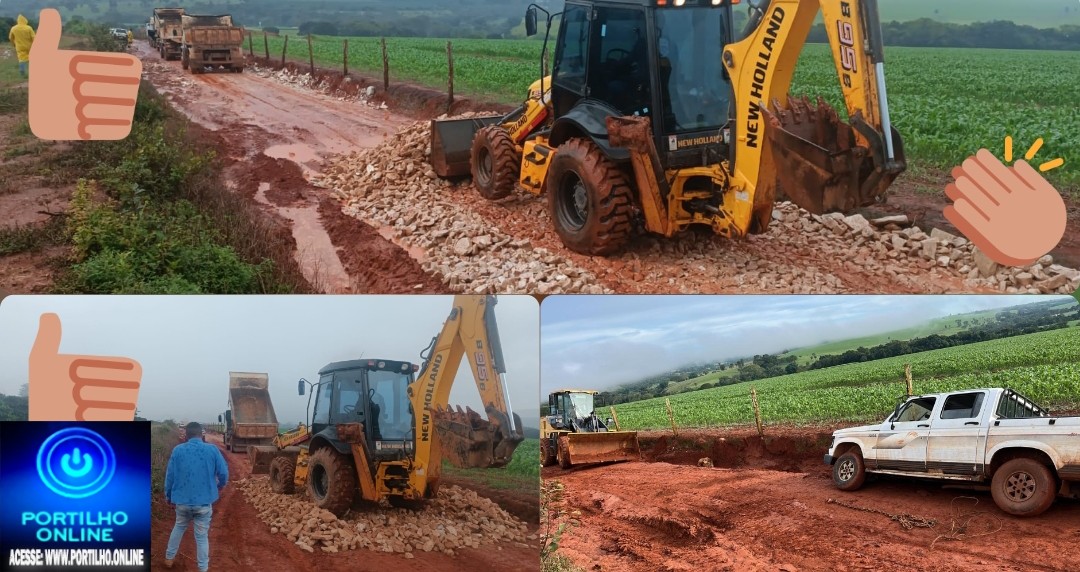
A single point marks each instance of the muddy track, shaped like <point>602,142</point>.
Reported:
<point>273,139</point>
<point>240,541</point>
<point>775,511</point>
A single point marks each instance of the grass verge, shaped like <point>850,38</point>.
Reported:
<point>523,471</point>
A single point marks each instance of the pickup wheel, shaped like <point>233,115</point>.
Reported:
<point>849,472</point>
<point>1024,487</point>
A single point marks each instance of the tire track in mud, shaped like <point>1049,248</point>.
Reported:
<point>649,516</point>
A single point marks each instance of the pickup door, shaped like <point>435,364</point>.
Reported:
<point>958,433</point>
<point>936,437</point>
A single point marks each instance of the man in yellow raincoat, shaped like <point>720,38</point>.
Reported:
<point>22,35</point>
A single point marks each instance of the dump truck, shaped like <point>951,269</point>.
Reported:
<point>380,429</point>
<point>168,32</point>
<point>211,41</point>
<point>250,419</point>
<point>660,115</point>
<point>572,433</point>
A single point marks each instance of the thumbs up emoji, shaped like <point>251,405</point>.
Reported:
<point>67,387</point>
<point>79,95</point>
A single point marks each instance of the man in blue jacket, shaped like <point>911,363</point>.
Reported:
<point>195,474</point>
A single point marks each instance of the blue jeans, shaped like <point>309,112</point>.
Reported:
<point>185,514</point>
<point>24,68</point>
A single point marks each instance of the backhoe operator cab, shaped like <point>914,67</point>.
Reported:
<point>602,60</point>
<point>367,391</point>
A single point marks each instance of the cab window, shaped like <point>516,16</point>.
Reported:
<point>322,400</point>
<point>963,406</point>
<point>917,410</point>
<point>569,68</point>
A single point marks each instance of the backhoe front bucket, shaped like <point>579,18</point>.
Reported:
<point>451,144</point>
<point>818,161</point>
<point>261,456</point>
<point>603,447</point>
<point>470,441</point>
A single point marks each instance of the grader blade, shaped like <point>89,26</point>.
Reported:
<point>470,441</point>
<point>603,447</point>
<point>818,161</point>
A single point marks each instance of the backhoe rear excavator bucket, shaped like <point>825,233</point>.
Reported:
<point>819,163</point>
<point>469,441</point>
<point>603,447</point>
<point>261,456</point>
<point>451,144</point>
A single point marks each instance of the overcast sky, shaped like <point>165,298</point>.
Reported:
<point>188,344</point>
<point>591,342</point>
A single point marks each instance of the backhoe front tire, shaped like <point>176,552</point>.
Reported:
<point>331,480</point>
<point>564,453</point>
<point>1024,487</point>
<point>589,199</point>
<point>282,476</point>
<point>494,162</point>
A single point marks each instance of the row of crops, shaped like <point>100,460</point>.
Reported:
<point>1043,366</point>
<point>947,103</point>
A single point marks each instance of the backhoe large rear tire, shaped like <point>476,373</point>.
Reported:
<point>589,199</point>
<point>331,480</point>
<point>494,162</point>
<point>564,452</point>
<point>282,476</point>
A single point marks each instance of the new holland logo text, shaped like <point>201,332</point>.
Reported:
<point>761,69</point>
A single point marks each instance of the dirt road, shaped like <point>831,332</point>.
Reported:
<point>273,138</point>
<point>653,516</point>
<point>239,541</point>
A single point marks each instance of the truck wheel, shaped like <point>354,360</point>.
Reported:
<point>282,475</point>
<point>1024,487</point>
<point>494,162</point>
<point>849,472</point>
<point>589,199</point>
<point>331,480</point>
<point>547,455</point>
<point>184,62</point>
<point>564,452</point>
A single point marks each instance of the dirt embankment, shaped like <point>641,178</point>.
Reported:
<point>777,509</point>
<point>241,541</point>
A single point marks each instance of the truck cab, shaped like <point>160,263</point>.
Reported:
<point>995,436</point>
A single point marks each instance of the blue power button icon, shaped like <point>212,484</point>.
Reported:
<point>76,462</point>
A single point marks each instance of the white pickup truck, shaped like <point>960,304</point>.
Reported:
<point>980,435</point>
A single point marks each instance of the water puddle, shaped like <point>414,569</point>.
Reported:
<point>315,252</point>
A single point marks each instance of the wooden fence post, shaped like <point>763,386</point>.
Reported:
<point>385,67</point>
<point>615,418</point>
<point>266,44</point>
<point>345,57</point>
<point>311,55</point>
<point>757,412</point>
<point>671,417</point>
<point>251,45</point>
<point>284,49</point>
<point>907,377</point>
<point>450,80</point>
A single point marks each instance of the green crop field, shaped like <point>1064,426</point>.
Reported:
<point>946,103</point>
<point>1043,366</point>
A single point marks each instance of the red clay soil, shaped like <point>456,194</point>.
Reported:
<point>240,541</point>
<point>287,185</point>
<point>656,516</point>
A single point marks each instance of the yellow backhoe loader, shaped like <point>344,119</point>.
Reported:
<point>572,433</point>
<point>657,114</point>
<point>380,428</point>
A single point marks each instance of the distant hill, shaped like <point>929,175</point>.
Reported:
<point>1038,13</point>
